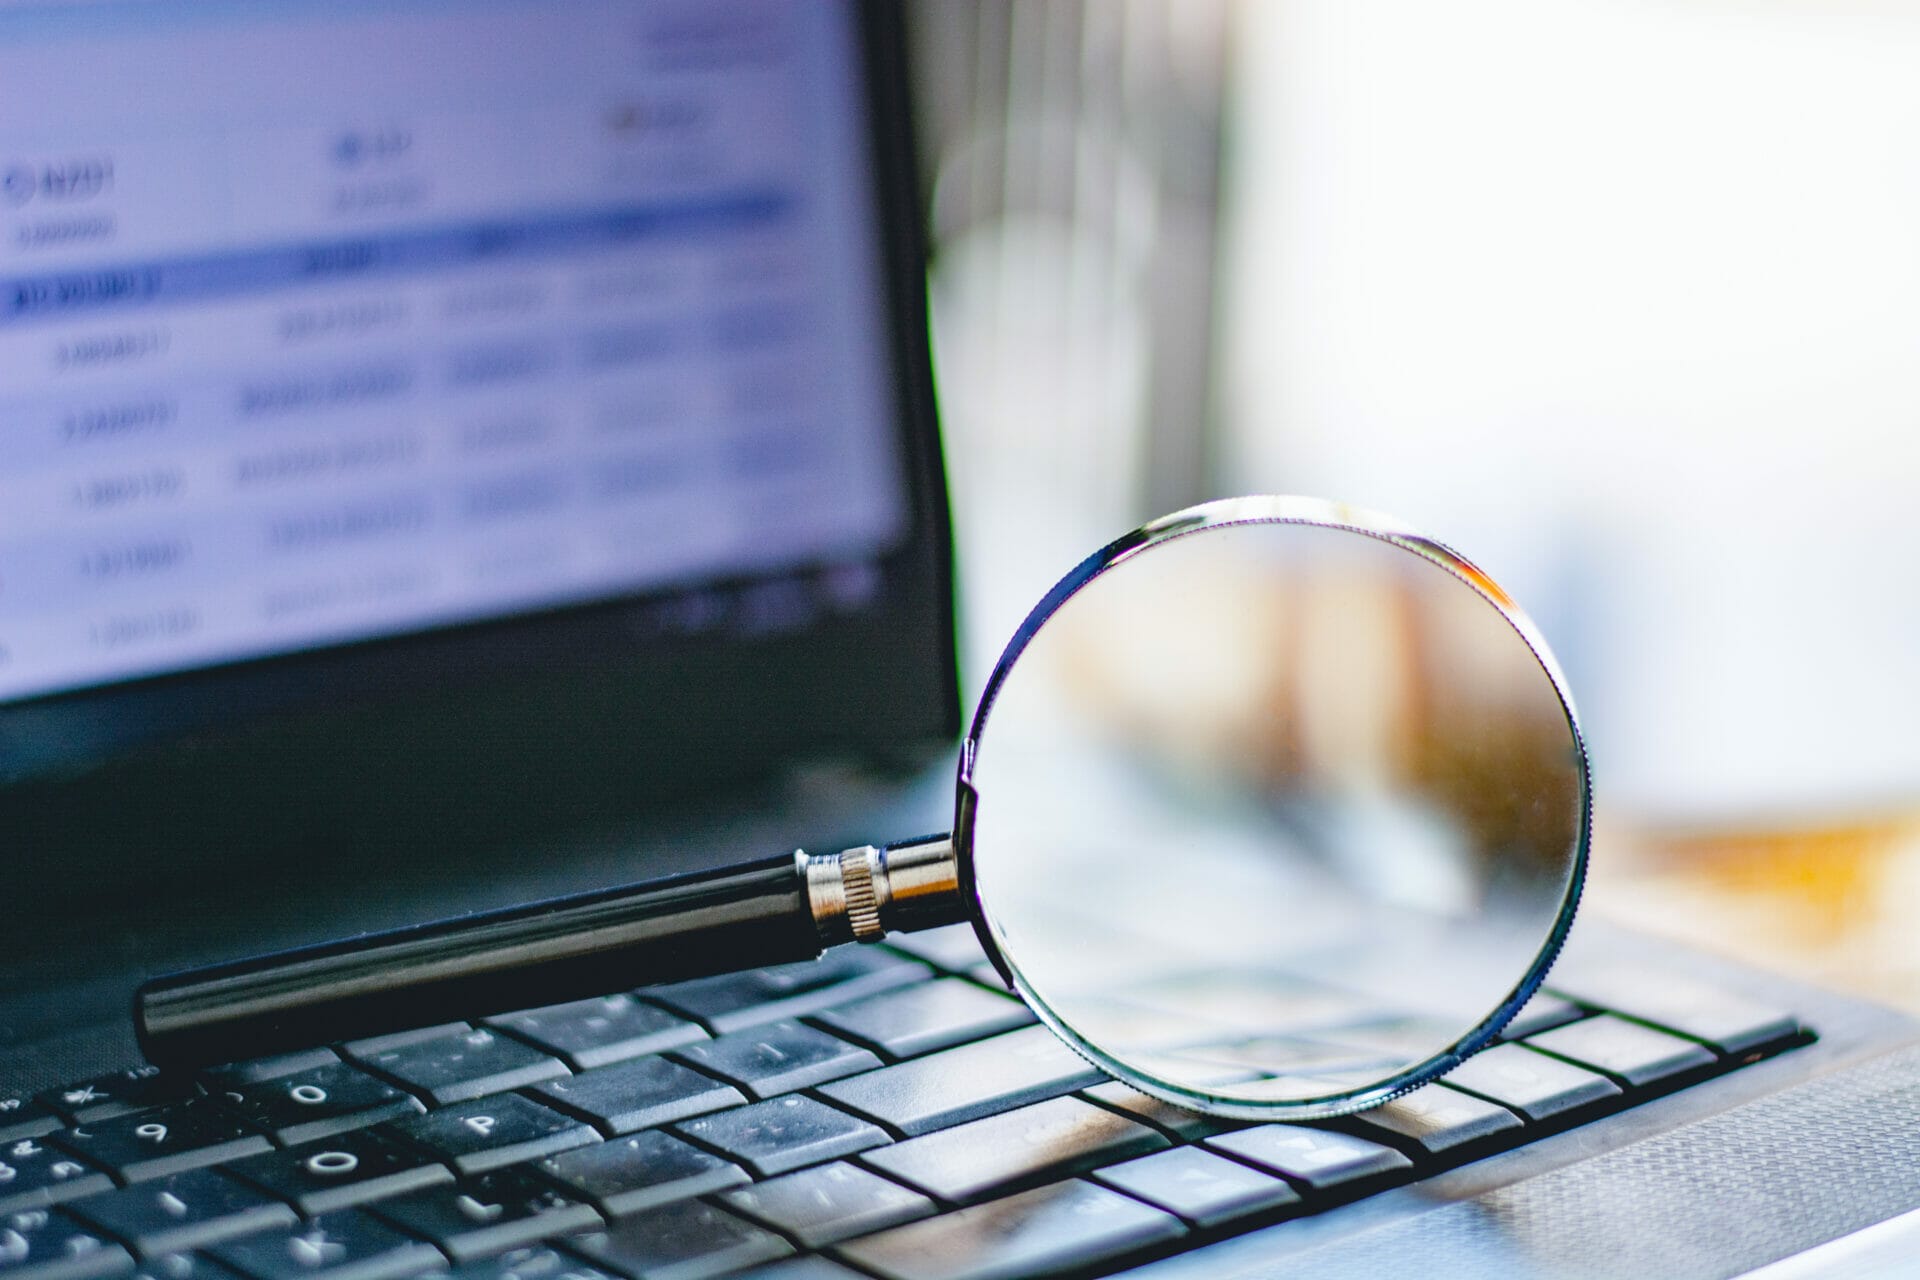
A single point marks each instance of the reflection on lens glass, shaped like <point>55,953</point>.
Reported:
<point>1273,814</point>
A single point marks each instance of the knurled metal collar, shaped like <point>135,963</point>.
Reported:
<point>863,903</point>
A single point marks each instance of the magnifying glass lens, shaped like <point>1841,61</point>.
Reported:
<point>1277,816</point>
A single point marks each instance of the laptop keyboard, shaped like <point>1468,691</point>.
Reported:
<point>884,1111</point>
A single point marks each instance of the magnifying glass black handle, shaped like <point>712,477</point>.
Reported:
<point>767,912</point>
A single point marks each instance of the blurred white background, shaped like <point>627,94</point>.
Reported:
<point>1623,296</point>
<point>1620,297</point>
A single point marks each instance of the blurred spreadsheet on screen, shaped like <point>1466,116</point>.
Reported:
<point>513,306</point>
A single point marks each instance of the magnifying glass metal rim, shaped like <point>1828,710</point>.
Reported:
<point>1213,516</point>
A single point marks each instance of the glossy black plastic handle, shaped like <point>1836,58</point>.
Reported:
<point>569,948</point>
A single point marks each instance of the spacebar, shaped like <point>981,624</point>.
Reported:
<point>979,1079</point>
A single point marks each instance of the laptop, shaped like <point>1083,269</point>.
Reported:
<point>460,453</point>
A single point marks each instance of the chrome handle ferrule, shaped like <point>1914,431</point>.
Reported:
<point>863,894</point>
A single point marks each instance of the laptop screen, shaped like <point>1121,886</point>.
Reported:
<point>329,324</point>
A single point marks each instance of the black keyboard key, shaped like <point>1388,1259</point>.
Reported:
<point>1726,1022</point>
<point>401,1039</point>
<point>163,1140</point>
<point>1313,1158</point>
<point>184,1211</point>
<point>1057,1138</point>
<point>336,1246</point>
<point>341,1171</point>
<point>1625,1050</point>
<point>493,1132</point>
<point>1200,1187</point>
<point>34,1175</point>
<point>25,1118</point>
<point>628,1175</point>
<point>1529,1082</point>
<point>1435,1119</point>
<point>493,1212</point>
<point>684,1241</point>
<point>1542,1013</point>
<point>234,1074</point>
<point>954,948</point>
<point>1164,1116</point>
<point>925,1017</point>
<point>640,1094</point>
<point>594,1033</point>
<point>45,1244</point>
<point>738,1000</point>
<point>777,1058</point>
<point>121,1093</point>
<point>316,1102</point>
<point>1069,1225</point>
<point>460,1065</point>
<point>811,1267</point>
<point>534,1262</point>
<point>184,1266</point>
<point>974,1080</point>
<point>783,1134</point>
<point>831,1203</point>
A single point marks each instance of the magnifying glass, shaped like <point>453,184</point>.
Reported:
<point>1272,808</point>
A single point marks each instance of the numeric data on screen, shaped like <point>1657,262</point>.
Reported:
<point>320,323</point>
